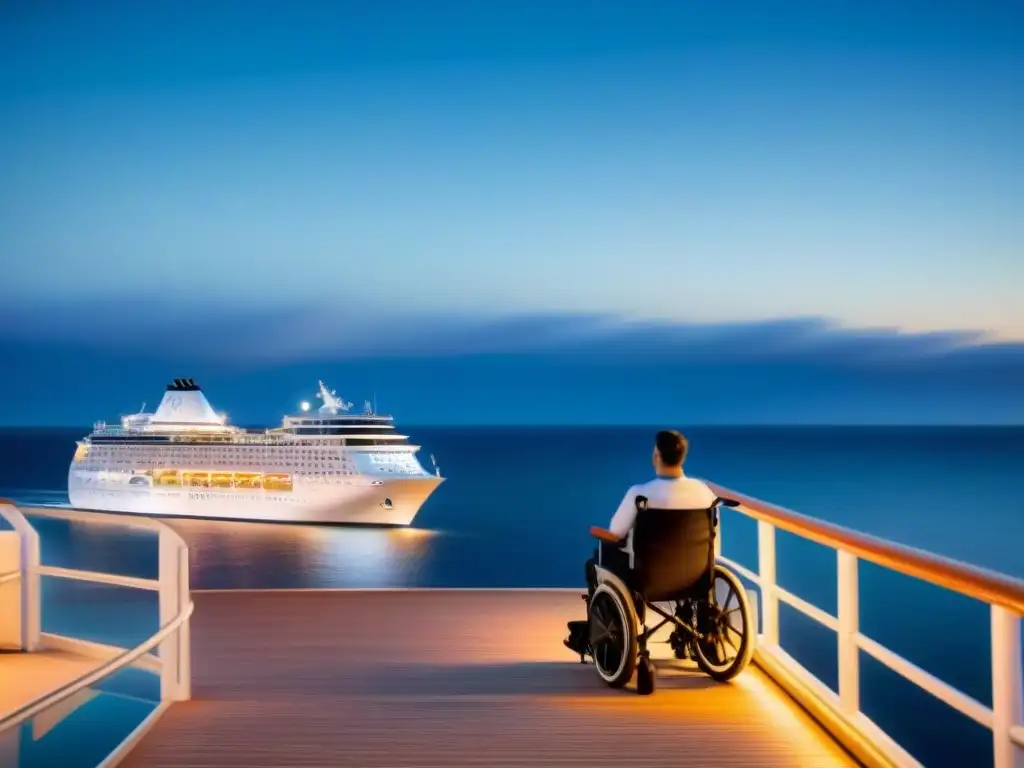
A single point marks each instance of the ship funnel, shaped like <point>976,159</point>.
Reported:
<point>184,403</point>
<point>182,385</point>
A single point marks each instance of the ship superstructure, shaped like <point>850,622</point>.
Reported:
<point>326,465</point>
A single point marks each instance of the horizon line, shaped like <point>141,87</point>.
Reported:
<point>620,425</point>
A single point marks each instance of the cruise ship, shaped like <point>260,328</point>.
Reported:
<point>326,466</point>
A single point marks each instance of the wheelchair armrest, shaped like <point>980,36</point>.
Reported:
<point>605,535</point>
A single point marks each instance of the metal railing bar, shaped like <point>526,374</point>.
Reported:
<point>944,692</point>
<point>808,609</point>
<point>741,570</point>
<point>97,577</point>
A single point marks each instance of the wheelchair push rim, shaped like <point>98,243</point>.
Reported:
<point>613,639</point>
<point>728,627</point>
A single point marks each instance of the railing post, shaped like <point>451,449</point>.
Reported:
<point>766,574</point>
<point>31,594</point>
<point>184,633</point>
<point>174,595</point>
<point>1007,696</point>
<point>849,626</point>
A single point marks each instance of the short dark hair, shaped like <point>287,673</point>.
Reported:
<point>672,447</point>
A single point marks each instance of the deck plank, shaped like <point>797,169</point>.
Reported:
<point>443,679</point>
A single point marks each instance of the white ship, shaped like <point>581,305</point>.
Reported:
<point>328,466</point>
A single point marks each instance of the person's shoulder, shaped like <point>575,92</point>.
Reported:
<point>696,482</point>
<point>690,489</point>
<point>697,485</point>
<point>641,488</point>
<point>693,482</point>
<point>635,490</point>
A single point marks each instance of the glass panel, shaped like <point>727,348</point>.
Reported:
<point>944,633</point>
<point>813,645</point>
<point>100,613</point>
<point>80,731</point>
<point>88,546</point>
<point>930,730</point>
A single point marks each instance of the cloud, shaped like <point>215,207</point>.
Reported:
<point>375,329</point>
<point>67,365</point>
<point>366,331</point>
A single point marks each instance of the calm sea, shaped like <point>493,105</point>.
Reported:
<point>517,504</point>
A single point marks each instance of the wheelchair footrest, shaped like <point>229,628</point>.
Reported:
<point>578,640</point>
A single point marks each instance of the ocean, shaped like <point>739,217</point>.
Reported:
<point>515,510</point>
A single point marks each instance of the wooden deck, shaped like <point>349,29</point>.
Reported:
<point>444,679</point>
<point>25,677</point>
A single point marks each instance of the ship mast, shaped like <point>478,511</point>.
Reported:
<point>331,402</point>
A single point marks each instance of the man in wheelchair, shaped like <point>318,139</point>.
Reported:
<point>658,554</point>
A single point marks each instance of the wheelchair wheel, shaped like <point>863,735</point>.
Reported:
<point>729,627</point>
<point>613,636</point>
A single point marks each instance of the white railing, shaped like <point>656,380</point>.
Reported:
<point>28,574</point>
<point>841,712</point>
<point>171,642</point>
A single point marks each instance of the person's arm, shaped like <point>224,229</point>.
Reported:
<point>625,515</point>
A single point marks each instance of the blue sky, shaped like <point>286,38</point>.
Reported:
<point>405,190</point>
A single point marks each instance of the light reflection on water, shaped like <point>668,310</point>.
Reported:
<point>226,555</point>
<point>242,555</point>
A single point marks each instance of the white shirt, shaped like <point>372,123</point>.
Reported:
<point>662,493</point>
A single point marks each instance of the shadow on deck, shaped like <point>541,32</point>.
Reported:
<point>438,679</point>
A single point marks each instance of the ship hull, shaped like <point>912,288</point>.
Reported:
<point>390,502</point>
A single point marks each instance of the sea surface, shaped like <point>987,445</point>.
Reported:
<point>515,510</point>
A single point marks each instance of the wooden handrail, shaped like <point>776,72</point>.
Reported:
<point>979,583</point>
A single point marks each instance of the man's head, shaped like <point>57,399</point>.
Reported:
<point>669,452</point>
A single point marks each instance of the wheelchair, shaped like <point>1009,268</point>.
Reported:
<point>668,559</point>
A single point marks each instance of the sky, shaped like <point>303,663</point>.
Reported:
<point>491,212</point>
